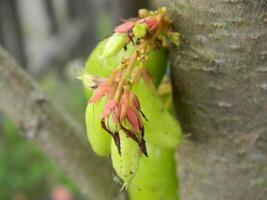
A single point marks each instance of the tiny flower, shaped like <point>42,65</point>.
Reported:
<point>152,23</point>
<point>130,119</point>
<point>112,107</point>
<point>102,90</point>
<point>174,37</point>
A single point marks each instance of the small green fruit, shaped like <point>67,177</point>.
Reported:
<point>155,178</point>
<point>161,128</point>
<point>95,65</point>
<point>114,44</point>
<point>126,163</point>
<point>98,138</point>
<point>156,65</point>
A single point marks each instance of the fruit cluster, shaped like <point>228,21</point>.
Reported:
<point>124,115</point>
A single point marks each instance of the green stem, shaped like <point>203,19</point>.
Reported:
<point>125,76</point>
<point>129,70</point>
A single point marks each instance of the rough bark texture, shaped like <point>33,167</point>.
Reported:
<point>220,91</point>
<point>54,131</point>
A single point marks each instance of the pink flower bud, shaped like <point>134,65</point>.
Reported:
<point>124,28</point>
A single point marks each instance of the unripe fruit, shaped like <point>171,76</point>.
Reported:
<point>97,136</point>
<point>134,119</point>
<point>156,65</point>
<point>151,105</point>
<point>161,128</point>
<point>155,178</point>
<point>114,44</point>
<point>95,65</point>
<point>126,163</point>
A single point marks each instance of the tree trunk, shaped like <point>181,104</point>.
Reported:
<point>220,91</point>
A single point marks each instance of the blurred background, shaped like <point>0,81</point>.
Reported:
<point>51,40</point>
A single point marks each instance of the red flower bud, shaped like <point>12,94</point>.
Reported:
<point>102,90</point>
<point>124,28</point>
<point>152,23</point>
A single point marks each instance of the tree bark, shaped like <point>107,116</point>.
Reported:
<point>220,91</point>
<point>54,131</point>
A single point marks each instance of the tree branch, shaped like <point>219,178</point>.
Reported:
<point>59,48</point>
<point>54,131</point>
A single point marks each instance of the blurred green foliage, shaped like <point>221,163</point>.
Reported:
<point>23,167</point>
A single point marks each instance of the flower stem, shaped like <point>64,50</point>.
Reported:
<point>128,71</point>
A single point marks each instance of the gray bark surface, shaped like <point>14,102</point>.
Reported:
<point>59,136</point>
<point>220,92</point>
